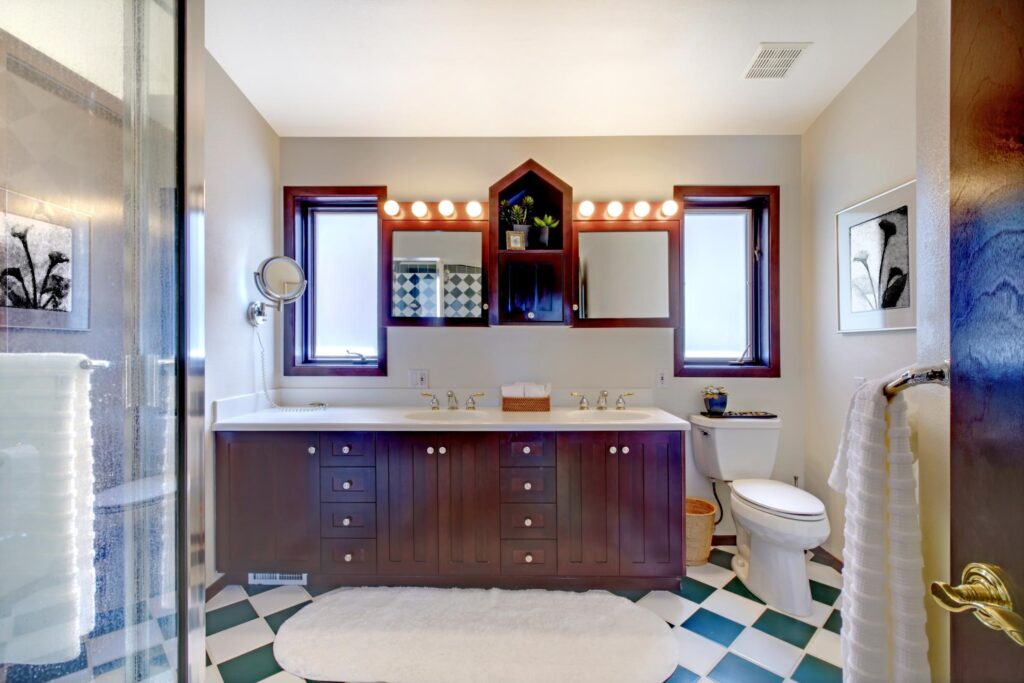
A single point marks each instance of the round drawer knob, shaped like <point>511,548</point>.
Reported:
<point>311,450</point>
<point>526,450</point>
<point>625,450</point>
<point>530,315</point>
<point>442,450</point>
<point>528,559</point>
<point>575,307</point>
<point>347,485</point>
<point>527,486</point>
<point>346,449</point>
<point>347,521</point>
<point>527,522</point>
<point>613,450</point>
<point>430,450</point>
<point>348,557</point>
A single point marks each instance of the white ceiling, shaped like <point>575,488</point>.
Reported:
<point>371,68</point>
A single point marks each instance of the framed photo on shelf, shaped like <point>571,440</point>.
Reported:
<point>515,240</point>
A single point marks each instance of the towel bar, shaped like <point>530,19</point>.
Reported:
<point>932,374</point>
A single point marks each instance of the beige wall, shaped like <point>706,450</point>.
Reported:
<point>624,168</point>
<point>242,203</point>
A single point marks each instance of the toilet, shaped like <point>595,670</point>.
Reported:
<point>775,522</point>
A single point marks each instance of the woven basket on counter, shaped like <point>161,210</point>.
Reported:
<point>526,405</point>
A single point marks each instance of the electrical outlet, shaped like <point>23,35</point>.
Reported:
<point>661,380</point>
<point>419,379</point>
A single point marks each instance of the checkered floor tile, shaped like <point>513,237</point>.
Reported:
<point>724,633</point>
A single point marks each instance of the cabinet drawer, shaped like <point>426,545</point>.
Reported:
<point>347,449</point>
<point>528,520</point>
<point>349,556</point>
<point>527,450</point>
<point>528,484</point>
<point>529,557</point>
<point>348,485</point>
<point>348,520</point>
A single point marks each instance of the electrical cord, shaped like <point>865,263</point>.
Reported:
<point>721,511</point>
<point>263,379</point>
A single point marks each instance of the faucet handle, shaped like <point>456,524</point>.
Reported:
<point>584,403</point>
<point>434,403</point>
<point>471,401</point>
<point>620,404</point>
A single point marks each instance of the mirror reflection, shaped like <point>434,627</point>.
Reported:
<point>624,274</point>
<point>280,278</point>
<point>437,274</point>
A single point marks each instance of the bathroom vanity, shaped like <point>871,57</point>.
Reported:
<point>390,496</point>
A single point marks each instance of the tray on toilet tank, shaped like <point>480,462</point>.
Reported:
<point>742,414</point>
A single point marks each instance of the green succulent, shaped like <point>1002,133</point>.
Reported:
<point>518,213</point>
<point>548,221</point>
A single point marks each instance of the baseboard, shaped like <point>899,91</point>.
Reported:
<point>723,540</point>
<point>218,585</point>
<point>824,557</point>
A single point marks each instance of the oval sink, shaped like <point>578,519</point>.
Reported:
<point>445,415</point>
<point>607,416</point>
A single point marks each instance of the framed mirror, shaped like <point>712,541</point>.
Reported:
<point>434,272</point>
<point>626,274</point>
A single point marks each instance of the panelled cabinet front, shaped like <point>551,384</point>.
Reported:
<point>503,509</point>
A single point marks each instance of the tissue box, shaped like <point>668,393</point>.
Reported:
<point>526,405</point>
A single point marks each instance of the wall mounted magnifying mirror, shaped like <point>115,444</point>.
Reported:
<point>281,281</point>
<point>435,273</point>
<point>626,274</point>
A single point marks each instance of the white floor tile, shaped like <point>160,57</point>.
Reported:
<point>171,650</point>
<point>728,548</point>
<point>213,675</point>
<point>238,640</point>
<point>735,607</point>
<point>696,653</point>
<point>824,574</point>
<point>825,645</point>
<point>711,574</point>
<point>770,653</point>
<point>227,596</point>
<point>669,606</point>
<point>81,676</point>
<point>818,616</point>
<point>117,644</point>
<point>282,677</point>
<point>277,599</point>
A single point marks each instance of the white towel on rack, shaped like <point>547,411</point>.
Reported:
<point>47,577</point>
<point>883,634</point>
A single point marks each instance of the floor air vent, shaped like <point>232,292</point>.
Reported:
<point>774,60</point>
<point>271,579</point>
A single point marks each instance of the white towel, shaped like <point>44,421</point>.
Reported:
<point>883,634</point>
<point>47,577</point>
<point>525,390</point>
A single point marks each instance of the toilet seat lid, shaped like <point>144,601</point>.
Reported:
<point>777,497</point>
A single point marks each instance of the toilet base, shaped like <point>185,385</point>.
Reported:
<point>779,578</point>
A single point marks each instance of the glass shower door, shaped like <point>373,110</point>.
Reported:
<point>89,430</point>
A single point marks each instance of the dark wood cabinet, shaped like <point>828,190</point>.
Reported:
<point>407,502</point>
<point>268,509</point>
<point>650,503</point>
<point>531,287</point>
<point>467,506</point>
<point>588,504</point>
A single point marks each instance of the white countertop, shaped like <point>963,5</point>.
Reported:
<point>420,419</point>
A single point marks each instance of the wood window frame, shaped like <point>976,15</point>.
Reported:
<point>298,330</point>
<point>766,352</point>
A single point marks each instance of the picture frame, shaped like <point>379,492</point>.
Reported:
<point>515,240</point>
<point>44,264</point>
<point>876,264</point>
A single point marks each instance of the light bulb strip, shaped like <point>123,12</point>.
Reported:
<point>656,210</point>
<point>403,211</point>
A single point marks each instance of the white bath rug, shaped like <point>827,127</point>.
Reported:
<point>451,635</point>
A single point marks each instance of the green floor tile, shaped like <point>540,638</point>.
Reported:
<point>721,558</point>
<point>814,670</point>
<point>736,586</point>
<point>250,667</point>
<point>633,595</point>
<point>168,626</point>
<point>785,628</point>
<point>682,675</point>
<point>694,590</point>
<point>733,669</point>
<point>824,593</point>
<point>257,589</point>
<point>226,617</point>
<point>276,619</point>
<point>834,622</point>
<point>714,627</point>
<point>318,590</point>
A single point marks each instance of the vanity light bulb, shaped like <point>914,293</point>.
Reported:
<point>446,208</point>
<point>615,209</point>
<point>641,209</point>
<point>474,209</point>
<point>391,207</point>
<point>669,207</point>
<point>586,208</point>
<point>419,209</point>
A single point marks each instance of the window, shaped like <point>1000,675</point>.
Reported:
<point>730,319</point>
<point>336,329</point>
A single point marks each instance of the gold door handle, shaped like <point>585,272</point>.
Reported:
<point>984,593</point>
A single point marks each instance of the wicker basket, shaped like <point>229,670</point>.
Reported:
<point>700,527</point>
<point>526,405</point>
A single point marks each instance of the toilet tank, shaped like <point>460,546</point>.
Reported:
<point>734,448</point>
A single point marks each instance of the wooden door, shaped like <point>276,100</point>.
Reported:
<point>987,319</point>
<point>407,503</point>
<point>588,503</point>
<point>531,287</point>
<point>650,504</point>
<point>467,505</point>
<point>268,502</point>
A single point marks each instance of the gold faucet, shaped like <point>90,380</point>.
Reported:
<point>434,403</point>
<point>620,404</point>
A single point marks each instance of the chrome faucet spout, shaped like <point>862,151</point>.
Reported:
<point>602,400</point>
<point>453,401</point>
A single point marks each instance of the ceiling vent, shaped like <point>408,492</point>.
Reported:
<point>774,60</point>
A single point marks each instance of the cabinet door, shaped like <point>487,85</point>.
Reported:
<point>407,503</point>
<point>268,502</point>
<point>588,504</point>
<point>531,287</point>
<point>650,504</point>
<point>468,508</point>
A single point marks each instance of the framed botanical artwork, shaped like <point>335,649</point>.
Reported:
<point>44,264</point>
<point>875,262</point>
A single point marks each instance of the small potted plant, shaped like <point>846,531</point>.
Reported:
<point>540,233</point>
<point>715,399</point>
<point>516,214</point>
